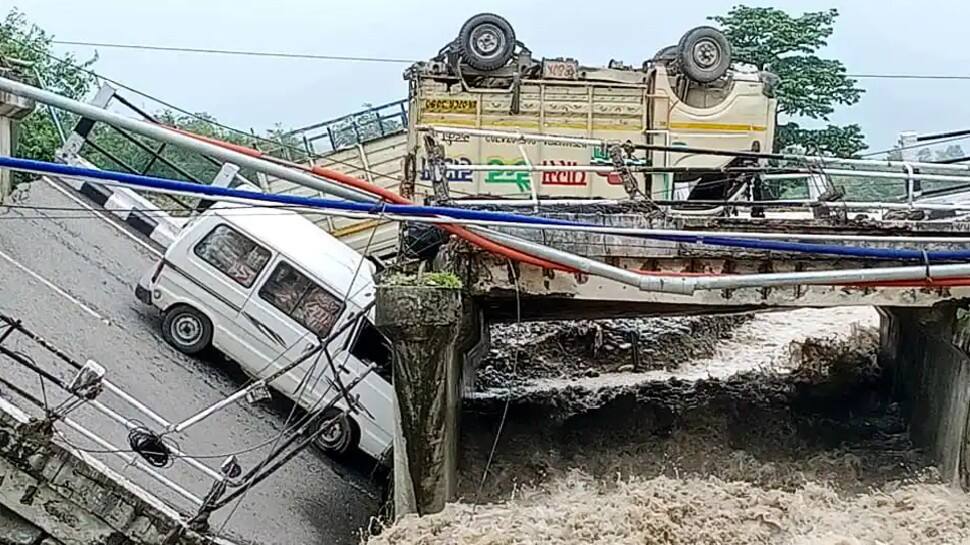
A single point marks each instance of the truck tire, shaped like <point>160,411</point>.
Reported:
<point>187,329</point>
<point>667,54</point>
<point>341,436</point>
<point>705,54</point>
<point>486,42</point>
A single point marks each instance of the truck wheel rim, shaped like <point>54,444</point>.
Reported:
<point>706,53</point>
<point>186,329</point>
<point>487,40</point>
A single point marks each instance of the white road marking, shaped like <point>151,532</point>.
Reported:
<point>111,222</point>
<point>53,286</point>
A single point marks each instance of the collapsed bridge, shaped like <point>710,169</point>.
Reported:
<point>601,257</point>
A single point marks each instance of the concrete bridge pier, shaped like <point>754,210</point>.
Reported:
<point>423,325</point>
<point>927,351</point>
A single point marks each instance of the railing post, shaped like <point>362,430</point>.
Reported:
<point>908,141</point>
<point>78,136</point>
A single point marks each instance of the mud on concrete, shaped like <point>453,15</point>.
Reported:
<point>527,351</point>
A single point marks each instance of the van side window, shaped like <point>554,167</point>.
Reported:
<point>298,297</point>
<point>371,347</point>
<point>233,254</point>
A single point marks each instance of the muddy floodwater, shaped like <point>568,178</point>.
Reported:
<point>776,428</point>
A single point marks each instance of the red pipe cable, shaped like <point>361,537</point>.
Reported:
<point>511,253</point>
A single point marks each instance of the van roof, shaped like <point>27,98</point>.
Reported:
<point>306,245</point>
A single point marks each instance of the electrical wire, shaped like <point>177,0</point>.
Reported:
<point>916,146</point>
<point>314,156</point>
<point>508,398</point>
<point>238,52</point>
<point>393,60</point>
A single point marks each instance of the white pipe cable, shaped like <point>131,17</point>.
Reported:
<point>688,285</point>
<point>163,134</point>
<point>531,137</point>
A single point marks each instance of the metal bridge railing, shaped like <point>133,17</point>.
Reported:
<point>98,143</point>
<point>340,133</point>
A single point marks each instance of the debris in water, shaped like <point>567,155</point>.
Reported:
<point>588,348</point>
<point>697,510</point>
<point>788,436</point>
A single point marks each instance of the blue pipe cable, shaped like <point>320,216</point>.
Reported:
<point>152,182</point>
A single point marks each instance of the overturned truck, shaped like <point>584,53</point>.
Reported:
<point>690,94</point>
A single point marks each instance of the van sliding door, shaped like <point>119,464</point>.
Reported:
<point>288,316</point>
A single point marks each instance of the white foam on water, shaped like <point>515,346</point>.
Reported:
<point>576,509</point>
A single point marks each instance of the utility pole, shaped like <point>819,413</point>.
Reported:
<point>12,108</point>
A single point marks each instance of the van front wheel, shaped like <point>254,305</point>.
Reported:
<point>340,433</point>
<point>186,329</point>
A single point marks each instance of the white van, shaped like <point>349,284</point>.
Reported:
<point>265,286</point>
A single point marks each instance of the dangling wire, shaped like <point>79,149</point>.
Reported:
<point>151,446</point>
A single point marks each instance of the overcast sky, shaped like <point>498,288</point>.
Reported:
<point>872,36</point>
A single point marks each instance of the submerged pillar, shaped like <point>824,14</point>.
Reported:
<point>422,323</point>
<point>927,353</point>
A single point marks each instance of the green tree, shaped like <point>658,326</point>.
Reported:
<point>831,140</point>
<point>191,166</point>
<point>27,49</point>
<point>811,86</point>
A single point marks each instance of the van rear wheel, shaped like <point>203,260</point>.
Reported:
<point>186,329</point>
<point>340,435</point>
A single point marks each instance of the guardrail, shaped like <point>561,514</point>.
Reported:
<point>340,133</point>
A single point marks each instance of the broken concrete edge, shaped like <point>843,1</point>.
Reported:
<point>417,306</point>
<point>76,499</point>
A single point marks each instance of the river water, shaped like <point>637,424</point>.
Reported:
<point>783,435</point>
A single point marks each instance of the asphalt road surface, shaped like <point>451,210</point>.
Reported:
<point>69,276</point>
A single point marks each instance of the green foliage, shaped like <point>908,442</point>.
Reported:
<point>832,140</point>
<point>24,43</point>
<point>192,166</point>
<point>868,189</point>
<point>810,86</point>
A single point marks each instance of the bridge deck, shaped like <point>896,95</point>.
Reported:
<point>567,295</point>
